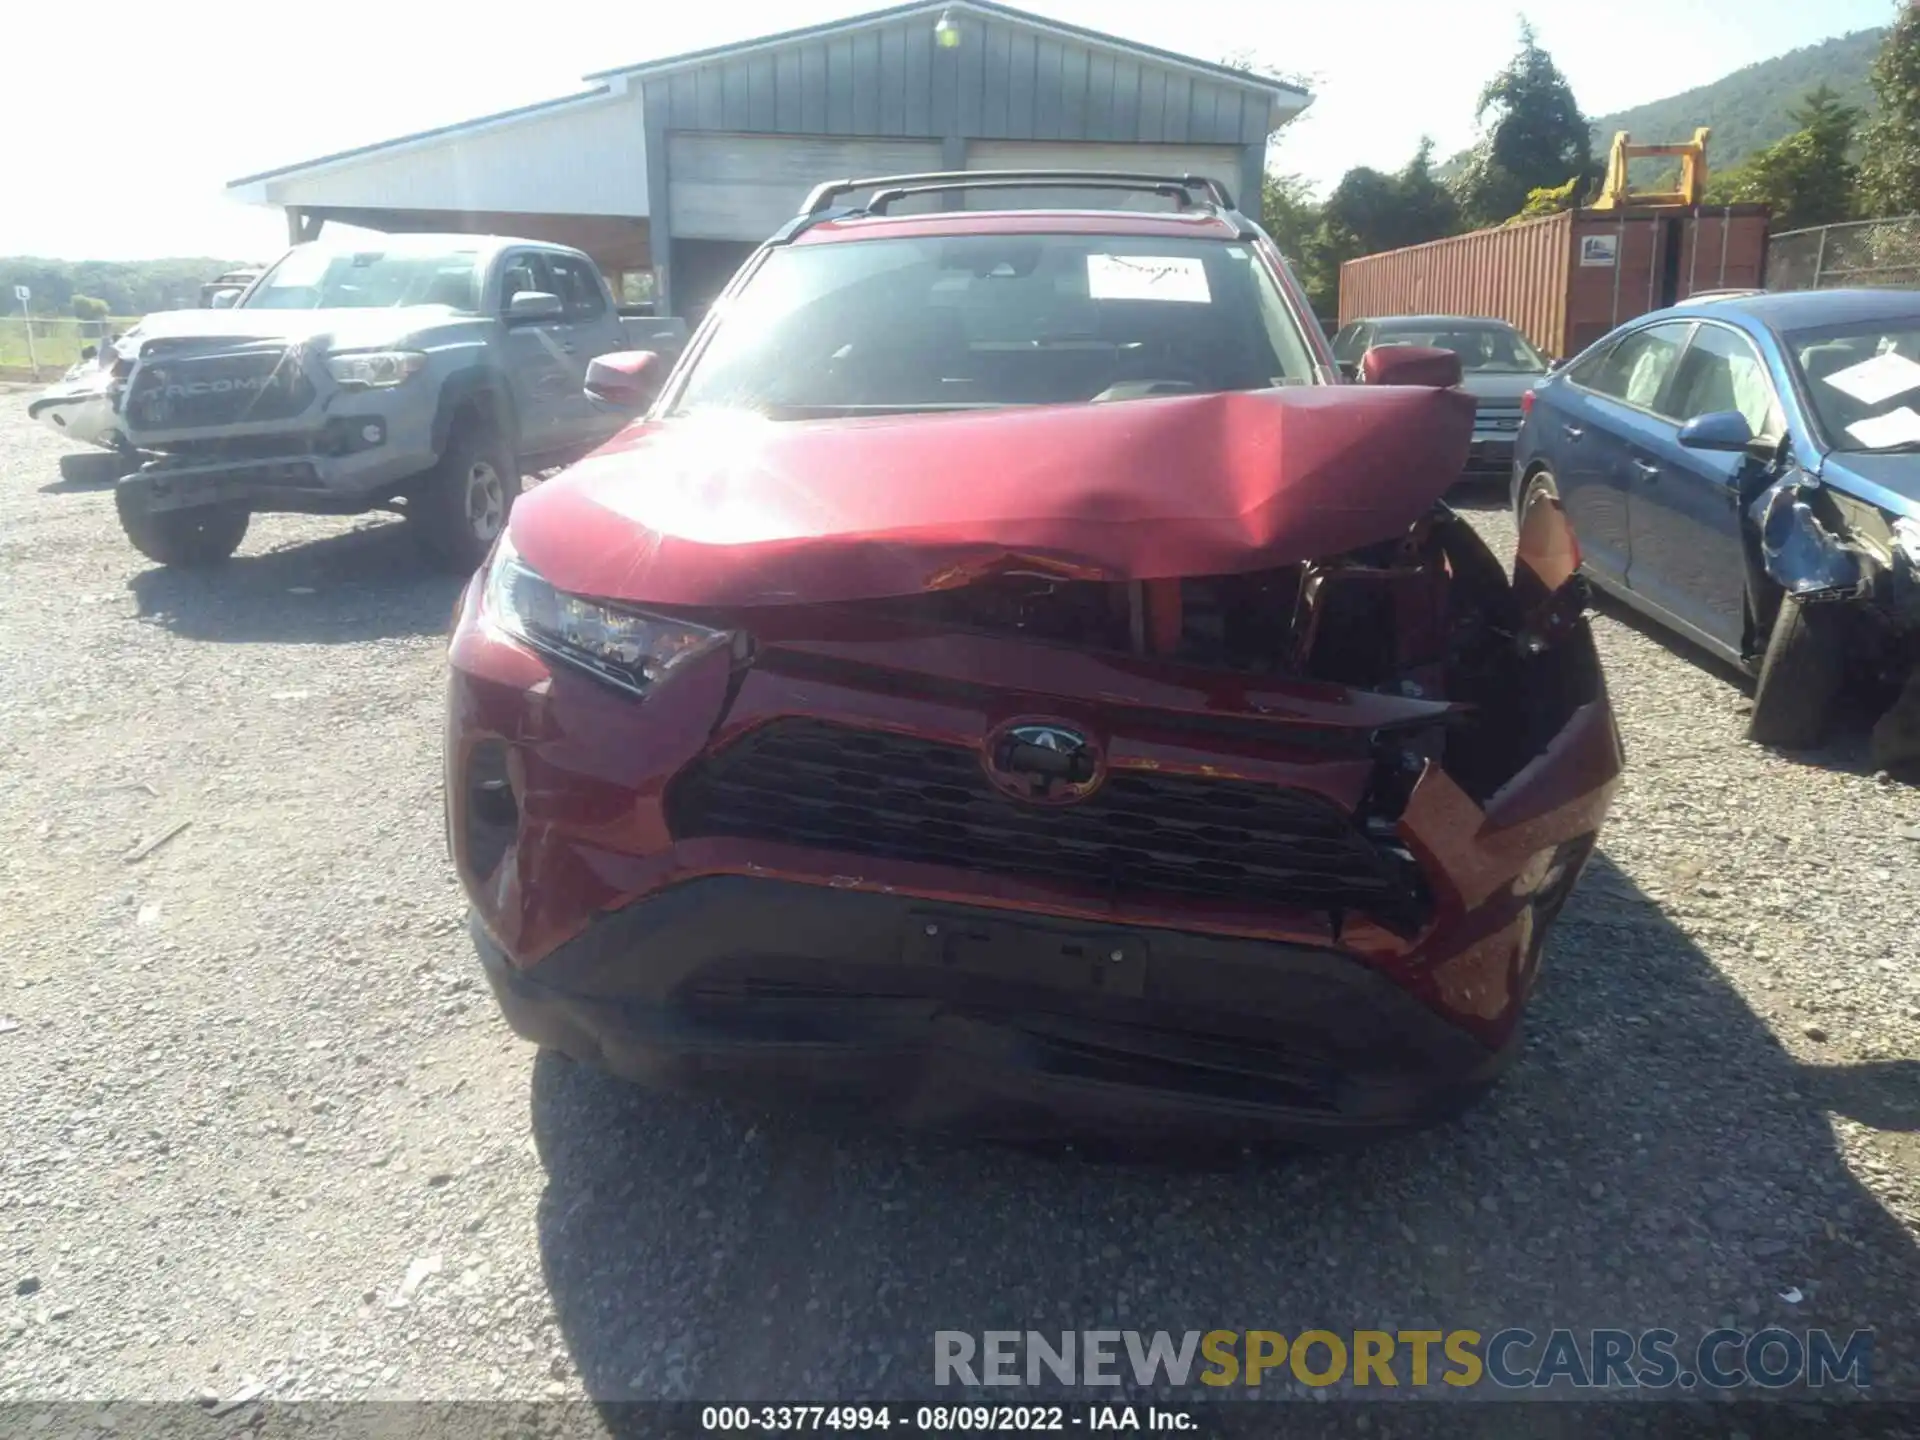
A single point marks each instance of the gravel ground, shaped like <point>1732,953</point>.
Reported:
<point>264,1129</point>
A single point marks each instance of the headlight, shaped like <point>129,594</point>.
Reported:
<point>630,648</point>
<point>1906,537</point>
<point>375,369</point>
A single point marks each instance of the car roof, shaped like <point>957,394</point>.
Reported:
<point>1413,322</point>
<point>1197,224</point>
<point>1784,310</point>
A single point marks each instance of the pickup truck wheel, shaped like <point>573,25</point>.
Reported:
<point>462,503</point>
<point>200,535</point>
<point>1799,676</point>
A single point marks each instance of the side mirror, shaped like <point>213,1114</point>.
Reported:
<point>1410,365</point>
<point>89,352</point>
<point>626,379</point>
<point>1349,370</point>
<point>222,299</point>
<point>1559,362</point>
<point>1722,430</point>
<point>530,306</point>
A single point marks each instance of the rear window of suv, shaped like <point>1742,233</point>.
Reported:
<point>981,321</point>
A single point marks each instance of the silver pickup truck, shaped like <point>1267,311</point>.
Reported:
<point>420,373</point>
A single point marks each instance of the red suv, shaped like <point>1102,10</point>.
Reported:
<point>1007,679</point>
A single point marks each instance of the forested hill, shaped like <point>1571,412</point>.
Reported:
<point>1748,109</point>
<point>126,287</point>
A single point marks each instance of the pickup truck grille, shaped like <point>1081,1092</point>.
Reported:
<point>1143,833</point>
<point>187,392</point>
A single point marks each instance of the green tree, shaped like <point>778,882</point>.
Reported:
<point>1890,167</point>
<point>86,307</point>
<point>1292,216</point>
<point>1806,178</point>
<point>1532,136</point>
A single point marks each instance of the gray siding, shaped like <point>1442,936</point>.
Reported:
<point>1003,82</point>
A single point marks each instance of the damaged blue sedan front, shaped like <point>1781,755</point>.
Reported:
<point>1745,470</point>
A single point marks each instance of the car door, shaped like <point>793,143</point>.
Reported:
<point>591,328</point>
<point>1593,412</point>
<point>1688,555</point>
<point>536,365</point>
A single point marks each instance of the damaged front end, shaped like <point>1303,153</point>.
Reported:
<point>1823,546</point>
<point>1284,832</point>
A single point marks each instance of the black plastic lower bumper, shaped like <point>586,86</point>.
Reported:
<point>990,1021</point>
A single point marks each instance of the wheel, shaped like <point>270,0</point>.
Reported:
<point>461,505</point>
<point>201,535</point>
<point>1540,483</point>
<point>1799,675</point>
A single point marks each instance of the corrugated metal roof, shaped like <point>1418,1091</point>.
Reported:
<point>932,9</point>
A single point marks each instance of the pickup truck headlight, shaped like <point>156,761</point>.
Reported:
<point>375,369</point>
<point>629,648</point>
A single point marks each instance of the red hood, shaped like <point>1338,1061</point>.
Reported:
<point>728,510</point>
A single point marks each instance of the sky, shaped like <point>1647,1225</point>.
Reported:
<point>121,123</point>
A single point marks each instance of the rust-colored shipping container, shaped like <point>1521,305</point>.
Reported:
<point>1564,280</point>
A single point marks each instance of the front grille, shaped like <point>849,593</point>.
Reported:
<point>181,392</point>
<point>1143,833</point>
<point>1497,418</point>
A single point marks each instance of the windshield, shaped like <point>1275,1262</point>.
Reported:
<point>310,278</point>
<point>1862,382</point>
<point>979,321</point>
<point>1489,349</point>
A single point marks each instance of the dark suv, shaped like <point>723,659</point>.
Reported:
<point>1007,679</point>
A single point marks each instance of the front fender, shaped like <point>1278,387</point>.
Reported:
<point>1800,553</point>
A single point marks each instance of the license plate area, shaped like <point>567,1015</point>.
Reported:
<point>1087,962</point>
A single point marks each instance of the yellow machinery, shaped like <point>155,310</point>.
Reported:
<point>1617,194</point>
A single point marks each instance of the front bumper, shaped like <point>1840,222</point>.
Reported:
<point>750,964</point>
<point>297,475</point>
<point>1491,452</point>
<point>84,415</point>
<point>993,1024</point>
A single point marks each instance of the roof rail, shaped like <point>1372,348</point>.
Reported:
<point>888,188</point>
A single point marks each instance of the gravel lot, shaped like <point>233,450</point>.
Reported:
<point>263,1128</point>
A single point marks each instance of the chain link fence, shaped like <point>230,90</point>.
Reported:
<point>56,341</point>
<point>1882,253</point>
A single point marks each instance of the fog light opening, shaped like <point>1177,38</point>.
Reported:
<point>492,810</point>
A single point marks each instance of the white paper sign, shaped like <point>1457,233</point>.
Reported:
<point>22,294</point>
<point>1599,249</point>
<point>1181,279</point>
<point>1896,427</point>
<point>1878,379</point>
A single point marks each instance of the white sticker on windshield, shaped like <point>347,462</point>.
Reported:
<point>1178,278</point>
<point>1878,379</point>
<point>1896,427</point>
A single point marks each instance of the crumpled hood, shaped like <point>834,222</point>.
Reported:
<point>1891,481</point>
<point>730,510</point>
<point>322,329</point>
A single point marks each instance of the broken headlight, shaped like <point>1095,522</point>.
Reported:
<point>1906,539</point>
<point>629,648</point>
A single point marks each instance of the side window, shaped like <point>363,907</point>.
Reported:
<point>1635,370</point>
<point>1722,371</point>
<point>1346,345</point>
<point>576,284</point>
<point>520,273</point>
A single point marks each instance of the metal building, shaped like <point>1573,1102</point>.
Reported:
<point>669,172</point>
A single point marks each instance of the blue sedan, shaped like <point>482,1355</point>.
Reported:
<point>1745,470</point>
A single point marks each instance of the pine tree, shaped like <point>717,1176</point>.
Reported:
<point>1532,136</point>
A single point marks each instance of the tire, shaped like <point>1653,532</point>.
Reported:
<point>1799,676</point>
<point>200,536</point>
<point>461,505</point>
